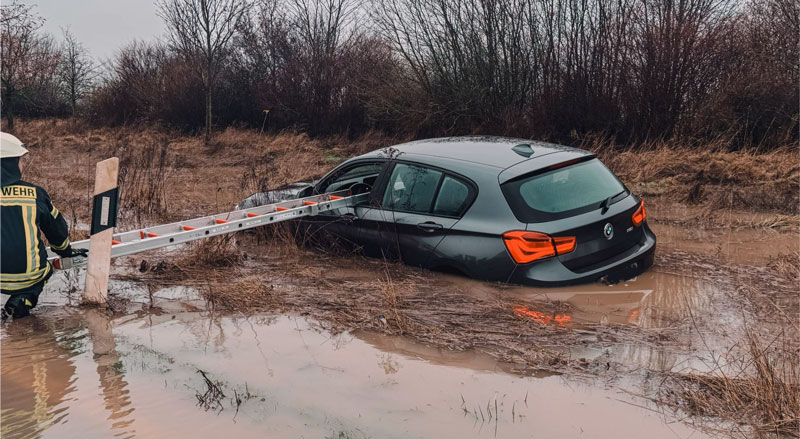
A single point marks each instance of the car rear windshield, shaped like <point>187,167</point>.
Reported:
<point>561,192</point>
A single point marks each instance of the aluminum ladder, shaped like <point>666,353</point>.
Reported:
<point>149,238</point>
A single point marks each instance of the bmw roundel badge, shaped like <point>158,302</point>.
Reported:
<point>608,231</point>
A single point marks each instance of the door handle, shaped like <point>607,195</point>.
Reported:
<point>429,226</point>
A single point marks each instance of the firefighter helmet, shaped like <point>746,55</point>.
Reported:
<point>10,146</point>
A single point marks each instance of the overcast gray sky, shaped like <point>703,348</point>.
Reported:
<point>103,26</point>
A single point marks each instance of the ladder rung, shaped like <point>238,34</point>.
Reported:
<point>280,208</point>
<point>309,203</point>
<point>221,221</point>
<point>336,197</point>
<point>187,227</point>
<point>144,234</point>
<point>115,242</point>
<point>252,214</point>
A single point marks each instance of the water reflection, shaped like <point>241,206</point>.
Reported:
<point>39,372</point>
<point>653,300</point>
<point>110,371</point>
<point>36,376</point>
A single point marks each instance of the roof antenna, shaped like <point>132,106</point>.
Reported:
<point>523,149</point>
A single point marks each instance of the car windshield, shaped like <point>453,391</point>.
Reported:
<point>365,173</point>
<point>562,192</point>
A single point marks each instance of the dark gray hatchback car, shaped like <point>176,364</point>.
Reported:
<point>492,208</point>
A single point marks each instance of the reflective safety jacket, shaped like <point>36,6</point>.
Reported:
<point>25,209</point>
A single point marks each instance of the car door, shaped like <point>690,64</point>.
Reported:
<point>423,203</point>
<point>343,222</point>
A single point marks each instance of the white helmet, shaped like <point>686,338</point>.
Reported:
<point>10,146</point>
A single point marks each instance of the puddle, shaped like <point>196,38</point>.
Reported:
<point>73,373</point>
<point>654,300</point>
<point>758,239</point>
<point>651,300</point>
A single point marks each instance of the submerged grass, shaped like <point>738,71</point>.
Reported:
<point>211,398</point>
<point>754,392</point>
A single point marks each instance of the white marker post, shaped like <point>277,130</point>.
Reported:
<point>95,290</point>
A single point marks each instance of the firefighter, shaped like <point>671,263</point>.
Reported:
<point>25,210</point>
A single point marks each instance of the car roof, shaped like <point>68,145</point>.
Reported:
<point>494,151</point>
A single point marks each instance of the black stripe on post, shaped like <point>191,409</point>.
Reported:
<point>104,210</point>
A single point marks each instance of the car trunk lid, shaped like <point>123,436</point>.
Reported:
<point>600,241</point>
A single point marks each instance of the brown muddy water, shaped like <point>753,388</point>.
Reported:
<point>69,372</point>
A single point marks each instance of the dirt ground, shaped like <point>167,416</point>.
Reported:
<point>720,344</point>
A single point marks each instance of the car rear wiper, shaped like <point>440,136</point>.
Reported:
<point>607,202</point>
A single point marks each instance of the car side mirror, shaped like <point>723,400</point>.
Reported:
<point>307,192</point>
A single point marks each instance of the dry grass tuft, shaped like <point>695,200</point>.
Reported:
<point>215,252</point>
<point>787,265</point>
<point>247,295</point>
<point>198,263</point>
<point>393,302</point>
<point>758,390</point>
<point>709,175</point>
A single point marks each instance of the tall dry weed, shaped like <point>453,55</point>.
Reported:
<point>143,174</point>
<point>710,175</point>
<point>753,391</point>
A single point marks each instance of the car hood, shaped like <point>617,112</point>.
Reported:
<point>286,192</point>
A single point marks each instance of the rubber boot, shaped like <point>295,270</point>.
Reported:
<point>18,306</point>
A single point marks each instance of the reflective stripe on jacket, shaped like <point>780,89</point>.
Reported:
<point>25,211</point>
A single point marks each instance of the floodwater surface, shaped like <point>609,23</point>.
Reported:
<point>81,373</point>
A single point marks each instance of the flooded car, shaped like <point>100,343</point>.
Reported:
<point>492,208</point>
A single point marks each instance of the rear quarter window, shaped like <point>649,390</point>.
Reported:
<point>452,197</point>
<point>561,192</point>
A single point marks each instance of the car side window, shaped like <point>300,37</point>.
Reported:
<point>451,198</point>
<point>411,188</point>
<point>365,173</point>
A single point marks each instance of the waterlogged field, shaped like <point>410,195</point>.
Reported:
<point>252,336</point>
<point>72,372</point>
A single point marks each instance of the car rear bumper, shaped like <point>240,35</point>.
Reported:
<point>551,272</point>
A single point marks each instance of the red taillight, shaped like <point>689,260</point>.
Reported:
<point>525,246</point>
<point>564,244</point>
<point>639,215</point>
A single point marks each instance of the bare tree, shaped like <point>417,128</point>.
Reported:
<point>27,59</point>
<point>675,60</point>
<point>76,71</point>
<point>201,31</point>
<point>473,57</point>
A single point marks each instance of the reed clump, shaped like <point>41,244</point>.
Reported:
<point>755,392</point>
